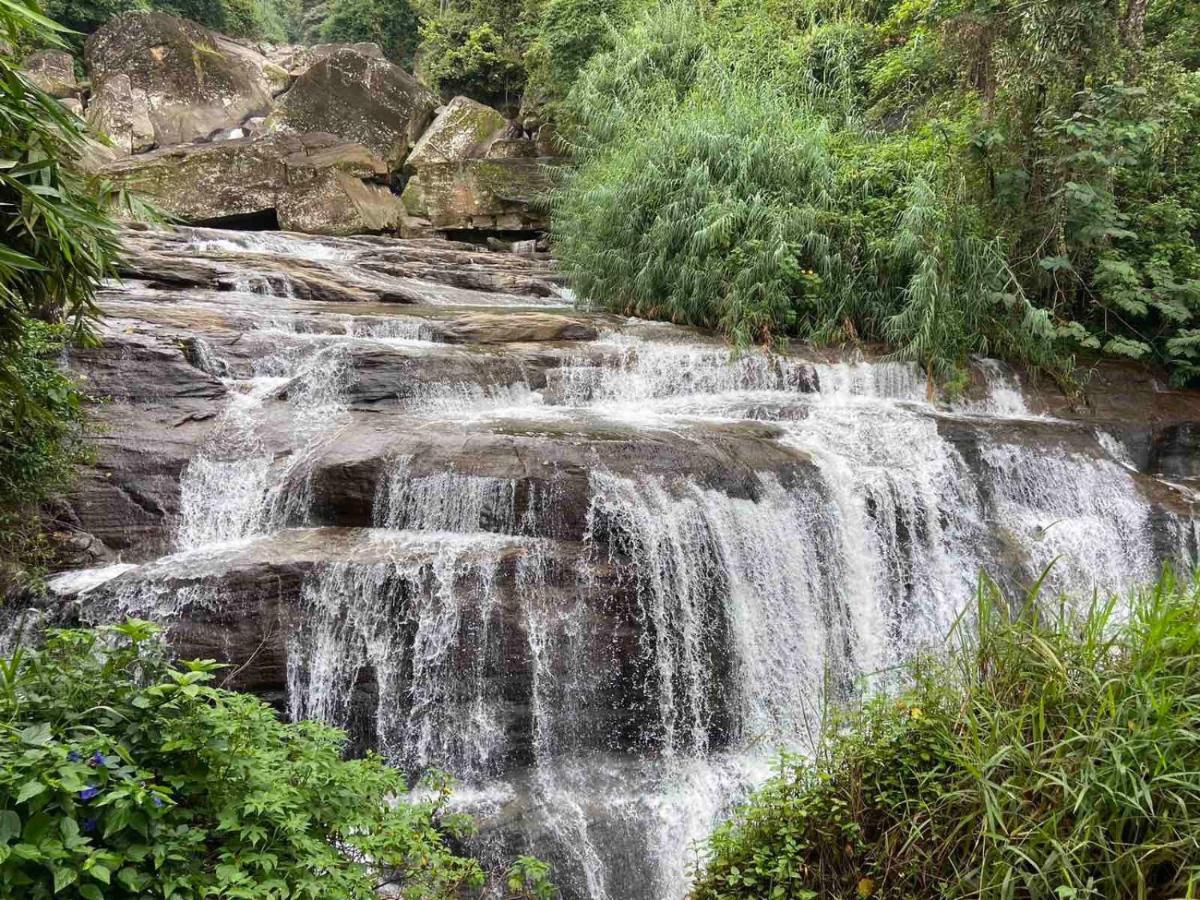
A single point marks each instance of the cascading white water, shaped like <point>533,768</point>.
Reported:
<point>234,487</point>
<point>1086,514</point>
<point>606,696</point>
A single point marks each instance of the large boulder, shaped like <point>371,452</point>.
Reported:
<point>483,194</point>
<point>122,113</point>
<point>54,72</point>
<point>474,170</point>
<point>297,60</point>
<point>359,98</point>
<point>183,78</point>
<point>461,131</point>
<point>314,183</point>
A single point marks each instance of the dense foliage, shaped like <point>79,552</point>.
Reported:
<point>271,20</point>
<point>56,244</point>
<point>507,53</point>
<point>122,775</point>
<point>1053,755</point>
<point>392,24</point>
<point>993,176</point>
<point>39,447</point>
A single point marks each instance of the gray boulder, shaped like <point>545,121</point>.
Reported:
<point>54,72</point>
<point>474,170</point>
<point>297,60</point>
<point>461,131</point>
<point>184,79</point>
<point>359,98</point>
<point>122,113</point>
<point>483,194</point>
<point>313,183</point>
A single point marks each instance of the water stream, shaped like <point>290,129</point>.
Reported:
<point>605,691</point>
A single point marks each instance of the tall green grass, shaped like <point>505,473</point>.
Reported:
<point>1050,754</point>
<point>711,193</point>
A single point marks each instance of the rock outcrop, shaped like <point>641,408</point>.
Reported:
<point>462,130</point>
<point>483,194</point>
<point>474,170</point>
<point>180,77</point>
<point>166,92</point>
<point>359,98</point>
<point>54,72</point>
<point>297,60</point>
<point>121,113</point>
<point>314,183</point>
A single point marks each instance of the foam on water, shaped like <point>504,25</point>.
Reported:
<point>81,580</point>
<point>203,243</point>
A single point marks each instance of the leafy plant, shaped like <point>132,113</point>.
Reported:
<point>37,451</point>
<point>392,24</point>
<point>1052,754</point>
<point>57,243</point>
<point>123,775</point>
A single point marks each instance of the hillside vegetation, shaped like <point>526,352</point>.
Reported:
<point>947,177</point>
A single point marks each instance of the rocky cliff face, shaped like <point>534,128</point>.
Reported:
<point>598,568</point>
<point>311,139</point>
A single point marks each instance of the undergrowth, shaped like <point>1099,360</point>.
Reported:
<point>1054,753</point>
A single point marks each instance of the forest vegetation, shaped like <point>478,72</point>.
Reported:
<point>125,774</point>
<point>944,177</point>
<point>58,244</point>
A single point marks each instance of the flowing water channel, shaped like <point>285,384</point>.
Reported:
<point>601,581</point>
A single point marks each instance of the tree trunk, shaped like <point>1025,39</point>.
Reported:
<point>1133,25</point>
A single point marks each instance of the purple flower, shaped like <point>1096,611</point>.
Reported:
<point>156,800</point>
<point>74,756</point>
<point>89,792</point>
<point>89,825</point>
<point>97,758</point>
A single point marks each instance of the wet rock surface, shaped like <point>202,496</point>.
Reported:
<point>596,567</point>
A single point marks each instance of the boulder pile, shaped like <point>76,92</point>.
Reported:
<point>329,139</point>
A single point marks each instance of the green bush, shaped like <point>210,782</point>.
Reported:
<point>463,54</point>
<point>708,217</point>
<point>123,775</point>
<point>56,245</point>
<point>711,197</point>
<point>41,430</point>
<point>1053,754</point>
<point>270,20</point>
<point>392,24</point>
<point>569,33</point>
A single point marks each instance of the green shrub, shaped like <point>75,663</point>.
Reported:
<point>56,245</point>
<point>269,20</point>
<point>569,33</point>
<point>476,48</point>
<point>1053,754</point>
<point>85,16</point>
<point>709,196</point>
<point>706,217</point>
<point>123,775</point>
<point>41,429</point>
<point>392,24</point>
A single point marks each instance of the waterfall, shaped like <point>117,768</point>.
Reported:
<point>1085,513</point>
<point>608,650</point>
<point>234,487</point>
